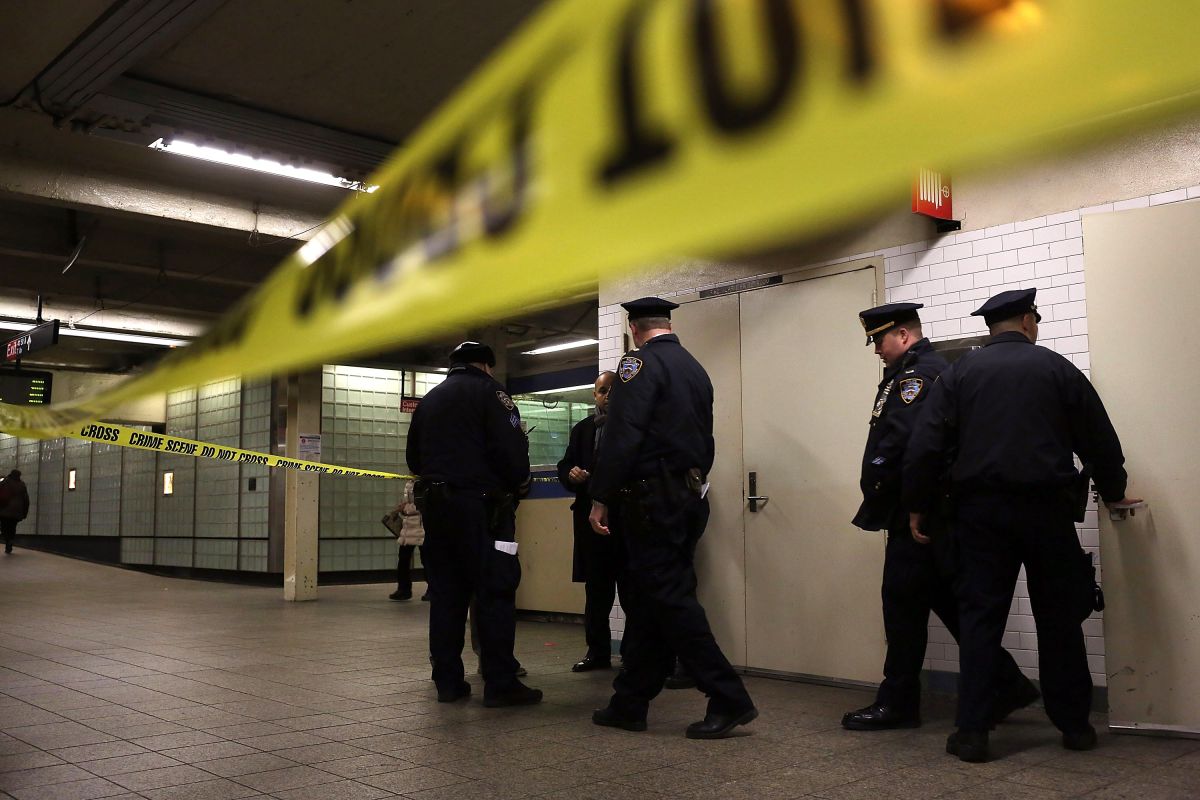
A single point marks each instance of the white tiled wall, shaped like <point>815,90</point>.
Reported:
<point>105,490</point>
<point>29,461</point>
<point>140,485</point>
<point>952,275</point>
<point>50,488</point>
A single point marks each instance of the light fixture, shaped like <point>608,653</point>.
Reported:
<point>111,336</point>
<point>554,348</point>
<point>168,483</point>
<point>216,154</point>
<point>70,480</point>
<point>565,389</point>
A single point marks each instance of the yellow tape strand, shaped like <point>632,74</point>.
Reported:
<point>105,433</point>
<point>613,135</point>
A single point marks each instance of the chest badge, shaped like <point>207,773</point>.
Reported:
<point>505,400</point>
<point>910,389</point>
<point>628,369</point>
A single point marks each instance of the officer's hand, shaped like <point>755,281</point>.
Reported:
<point>915,522</point>
<point>578,475</point>
<point>599,518</point>
<point>1125,501</point>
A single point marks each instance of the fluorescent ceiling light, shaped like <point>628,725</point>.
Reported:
<point>206,153</point>
<point>554,348</point>
<point>111,336</point>
<point>565,389</point>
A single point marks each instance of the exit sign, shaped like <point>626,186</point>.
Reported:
<point>37,338</point>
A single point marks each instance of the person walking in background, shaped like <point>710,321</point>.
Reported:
<point>597,559</point>
<point>1009,418</point>
<point>917,578</point>
<point>14,506</point>
<point>650,485</point>
<point>405,522</point>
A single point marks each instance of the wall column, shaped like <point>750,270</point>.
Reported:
<point>301,491</point>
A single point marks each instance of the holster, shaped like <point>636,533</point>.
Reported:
<point>500,508</point>
<point>425,491</point>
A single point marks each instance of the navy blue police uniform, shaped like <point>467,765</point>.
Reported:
<point>596,560</point>
<point>657,451</point>
<point>917,578</point>
<point>466,445</point>
<point>1009,417</point>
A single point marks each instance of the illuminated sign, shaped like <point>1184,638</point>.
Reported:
<point>25,388</point>
<point>44,335</point>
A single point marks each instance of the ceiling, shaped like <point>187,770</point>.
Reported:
<point>160,244</point>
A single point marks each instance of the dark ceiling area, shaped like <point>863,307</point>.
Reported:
<point>114,236</point>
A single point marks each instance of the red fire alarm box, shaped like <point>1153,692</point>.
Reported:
<point>932,196</point>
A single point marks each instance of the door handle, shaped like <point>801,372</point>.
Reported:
<point>755,498</point>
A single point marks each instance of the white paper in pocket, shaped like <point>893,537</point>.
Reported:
<point>507,547</point>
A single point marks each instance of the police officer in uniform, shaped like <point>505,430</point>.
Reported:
<point>597,559</point>
<point>649,485</point>
<point>917,578</point>
<point>1008,418</point>
<point>467,446</point>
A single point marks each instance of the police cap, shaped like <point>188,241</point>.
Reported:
<point>649,307</point>
<point>880,319</point>
<point>1007,305</point>
<point>473,353</point>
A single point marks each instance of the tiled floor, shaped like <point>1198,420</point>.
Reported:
<point>124,685</point>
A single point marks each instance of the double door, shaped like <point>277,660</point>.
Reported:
<point>790,586</point>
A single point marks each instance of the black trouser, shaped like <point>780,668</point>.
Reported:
<point>8,528</point>
<point>663,616</point>
<point>462,561</point>
<point>996,535</point>
<point>602,569</point>
<point>404,559</point>
<point>917,579</point>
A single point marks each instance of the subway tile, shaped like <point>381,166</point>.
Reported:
<point>959,283</point>
<point>1193,192</point>
<point>1049,267</point>
<point>900,262</point>
<point>1067,247</point>
<point>1029,224</point>
<point>1030,255</point>
<point>1003,259</point>
<point>1058,219</point>
<point>1014,241</point>
<point>1070,310</point>
<point>1072,230</point>
<point>1102,208</point>
<point>929,288</point>
<point>974,264</point>
<point>1000,230</point>
<point>1022,272</point>
<point>915,275</point>
<point>1168,197</point>
<point>1051,297</point>
<point>964,237</point>
<point>1071,344</point>
<point>988,246</point>
<point>957,251</point>
<point>1050,233</point>
<point>1131,203</point>
<point>945,269</point>
<point>928,257</point>
<point>915,247</point>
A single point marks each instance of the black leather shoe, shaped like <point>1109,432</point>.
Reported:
<point>610,718</point>
<point>425,597</point>
<point>399,595</point>
<point>1080,740</point>
<point>879,718</point>
<point>971,746</point>
<point>1018,697</point>
<point>590,663</point>
<point>454,693</point>
<point>517,695</point>
<point>718,726</point>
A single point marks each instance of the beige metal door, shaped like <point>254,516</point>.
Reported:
<point>1143,278</point>
<point>812,578</point>
<point>710,330</point>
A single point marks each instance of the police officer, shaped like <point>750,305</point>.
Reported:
<point>596,561</point>
<point>917,577</point>
<point>649,485</point>
<point>1007,418</point>
<point>467,446</point>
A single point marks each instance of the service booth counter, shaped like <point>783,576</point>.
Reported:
<point>545,537</point>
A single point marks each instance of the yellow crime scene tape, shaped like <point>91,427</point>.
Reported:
<point>614,135</point>
<point>122,436</point>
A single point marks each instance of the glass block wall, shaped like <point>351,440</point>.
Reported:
<point>49,488</point>
<point>362,426</point>
<point>254,483</point>
<point>105,482</point>
<point>218,421</point>
<point>549,424</point>
<point>140,485</point>
<point>77,457</point>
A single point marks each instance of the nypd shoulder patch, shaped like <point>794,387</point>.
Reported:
<point>505,400</point>
<point>910,389</point>
<point>628,369</point>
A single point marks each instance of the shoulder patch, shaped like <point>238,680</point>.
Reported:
<point>505,400</point>
<point>910,389</point>
<point>628,369</point>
